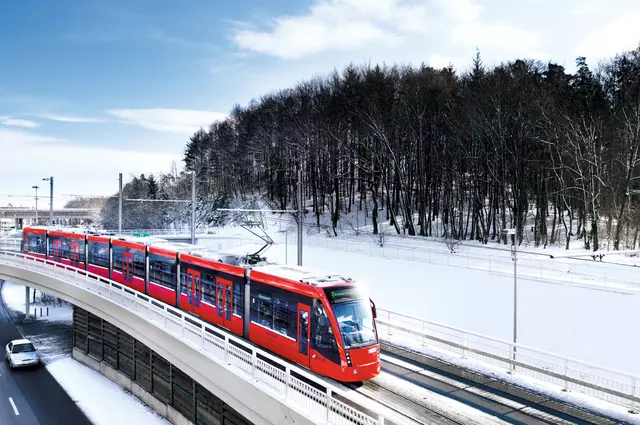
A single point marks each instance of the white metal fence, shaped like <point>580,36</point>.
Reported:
<point>10,244</point>
<point>603,383</point>
<point>226,349</point>
<point>582,273</point>
<point>160,232</point>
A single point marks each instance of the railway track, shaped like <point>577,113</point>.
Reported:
<point>419,394</point>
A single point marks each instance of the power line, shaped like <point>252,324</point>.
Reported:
<point>249,210</point>
<point>156,200</point>
<point>75,195</point>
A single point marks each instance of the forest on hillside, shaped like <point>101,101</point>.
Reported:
<point>522,145</point>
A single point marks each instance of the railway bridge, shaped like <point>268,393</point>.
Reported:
<point>185,369</point>
<point>19,217</point>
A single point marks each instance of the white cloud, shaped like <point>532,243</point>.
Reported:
<point>438,61</point>
<point>9,138</point>
<point>621,34</point>
<point>77,169</point>
<point>494,36</point>
<point>588,7</point>
<point>180,121</point>
<point>15,122</point>
<point>68,118</point>
<point>351,25</point>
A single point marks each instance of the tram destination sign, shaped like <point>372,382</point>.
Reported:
<point>344,294</point>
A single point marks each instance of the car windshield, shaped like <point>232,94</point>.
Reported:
<point>23,348</point>
<point>355,321</point>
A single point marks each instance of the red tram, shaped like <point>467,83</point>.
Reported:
<point>324,323</point>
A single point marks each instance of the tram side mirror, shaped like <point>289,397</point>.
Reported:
<point>373,309</point>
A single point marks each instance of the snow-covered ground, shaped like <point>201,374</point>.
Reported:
<point>94,393</point>
<point>551,391</point>
<point>592,323</point>
<point>45,307</point>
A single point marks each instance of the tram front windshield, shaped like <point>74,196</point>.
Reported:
<point>354,316</point>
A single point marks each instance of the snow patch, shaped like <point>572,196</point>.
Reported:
<point>58,310</point>
<point>583,401</point>
<point>104,402</point>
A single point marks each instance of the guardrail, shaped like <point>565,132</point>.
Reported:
<point>599,382</point>
<point>273,375</point>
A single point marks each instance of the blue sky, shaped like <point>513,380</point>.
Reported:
<point>92,88</point>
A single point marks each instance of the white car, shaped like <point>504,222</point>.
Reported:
<point>21,353</point>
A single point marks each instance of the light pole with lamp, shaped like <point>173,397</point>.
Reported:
<point>50,180</point>
<point>514,257</point>
<point>36,188</point>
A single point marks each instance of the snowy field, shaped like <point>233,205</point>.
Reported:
<point>592,322</point>
<point>94,393</point>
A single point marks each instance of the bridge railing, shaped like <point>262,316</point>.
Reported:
<point>10,244</point>
<point>269,373</point>
<point>569,374</point>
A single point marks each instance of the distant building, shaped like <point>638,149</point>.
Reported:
<point>7,223</point>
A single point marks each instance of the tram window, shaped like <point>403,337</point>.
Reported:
<point>209,289</point>
<point>263,308</point>
<point>99,254</point>
<point>36,244</point>
<point>183,282</point>
<point>162,271</point>
<point>117,257</point>
<point>138,263</point>
<point>281,319</point>
<point>277,311</point>
<point>238,299</point>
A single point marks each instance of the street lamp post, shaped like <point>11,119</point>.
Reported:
<point>119,203</point>
<point>514,257</point>
<point>50,180</point>
<point>36,188</point>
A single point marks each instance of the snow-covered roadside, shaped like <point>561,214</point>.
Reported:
<point>95,394</point>
<point>45,307</point>
<point>551,391</point>
<point>104,402</point>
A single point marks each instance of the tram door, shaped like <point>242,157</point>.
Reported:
<point>74,253</point>
<point>304,327</point>
<point>193,286</point>
<point>224,301</point>
<point>56,249</point>
<point>127,266</point>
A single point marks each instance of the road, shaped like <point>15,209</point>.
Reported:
<point>32,396</point>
